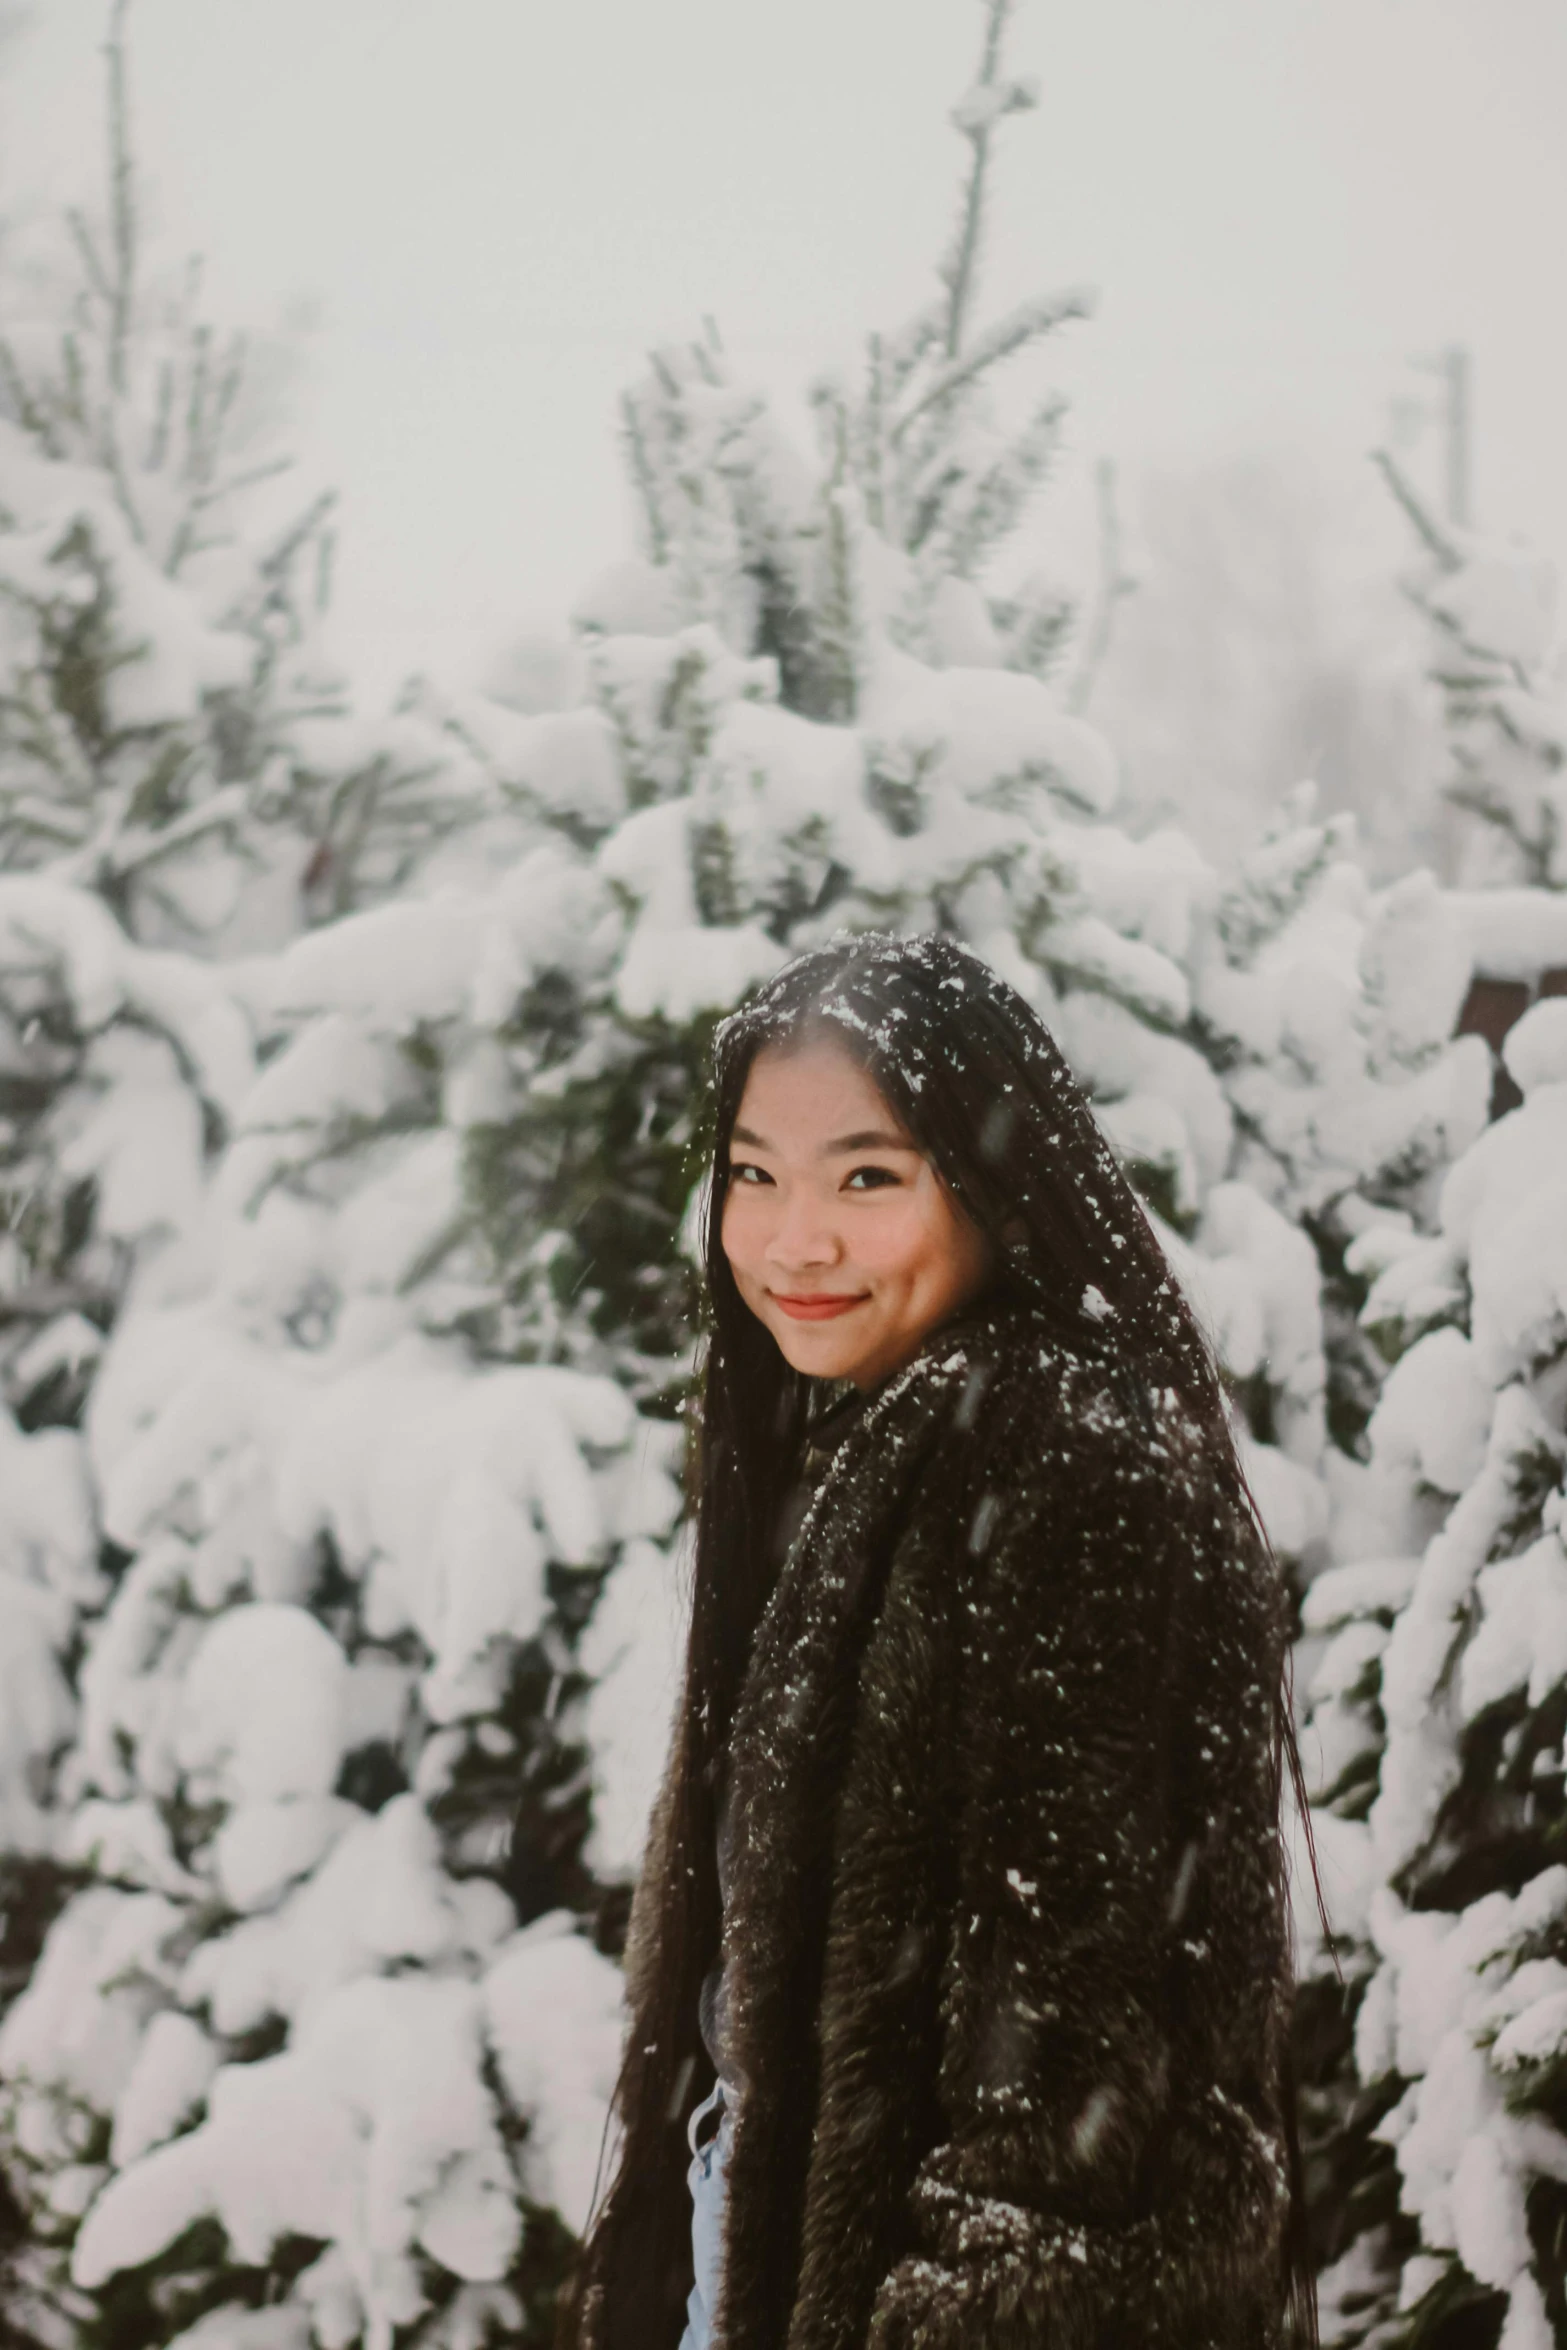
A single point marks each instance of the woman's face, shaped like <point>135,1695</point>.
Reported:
<point>841,1236</point>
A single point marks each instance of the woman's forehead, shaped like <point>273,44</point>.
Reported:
<point>814,1083</point>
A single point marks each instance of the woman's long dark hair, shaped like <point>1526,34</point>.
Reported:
<point>977,1079</point>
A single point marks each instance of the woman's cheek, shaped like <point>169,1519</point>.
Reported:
<point>890,1240</point>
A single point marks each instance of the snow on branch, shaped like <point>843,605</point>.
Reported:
<point>978,112</point>
<point>1028,323</point>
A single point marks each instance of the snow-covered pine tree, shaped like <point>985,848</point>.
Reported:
<point>177,771</point>
<point>1497,655</point>
<point>116,1064</point>
<point>177,768</point>
<point>1437,1697</point>
<point>393,1429</point>
<point>340,1666</point>
<point>172,737</point>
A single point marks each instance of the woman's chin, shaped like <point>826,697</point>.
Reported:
<point>822,1350</point>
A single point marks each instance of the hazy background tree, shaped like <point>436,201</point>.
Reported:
<point>1266,644</point>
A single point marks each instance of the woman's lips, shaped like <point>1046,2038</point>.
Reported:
<point>815,1309</point>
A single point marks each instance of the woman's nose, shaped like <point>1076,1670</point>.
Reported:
<point>803,1235</point>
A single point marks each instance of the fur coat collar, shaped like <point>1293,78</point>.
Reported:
<point>1008,1963</point>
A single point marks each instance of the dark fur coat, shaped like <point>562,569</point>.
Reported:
<point>1009,1966</point>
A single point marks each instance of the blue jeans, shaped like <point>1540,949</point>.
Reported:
<point>705,2178</point>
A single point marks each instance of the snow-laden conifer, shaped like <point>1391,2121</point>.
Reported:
<point>181,780</point>
<point>1491,607</point>
<point>1433,1662</point>
<point>178,768</point>
<point>173,737</point>
<point>1437,1695</point>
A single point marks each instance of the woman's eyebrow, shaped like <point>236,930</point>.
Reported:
<point>869,1138</point>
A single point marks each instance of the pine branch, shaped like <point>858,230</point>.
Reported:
<point>114,466</point>
<point>283,550</point>
<point>976,117</point>
<point>1028,323</point>
<point>1113,584</point>
<point>642,475</point>
<point>841,622</point>
<point>28,414</point>
<point>830,411</point>
<point>88,254</point>
<point>194,468</point>
<point>43,1301</point>
<point>122,199</point>
<point>134,850</point>
<point>186,541</point>
<point>902,352</point>
<point>93,859</point>
<point>1478,797</point>
<point>873,460</point>
<point>1435,539</point>
<point>1033,625</point>
<point>326,552</point>
<point>230,384</point>
<point>996,499</point>
<point>72,404</point>
<point>162,420</point>
<point>706,355</point>
<point>27,814</point>
<point>268,469</point>
<point>53,742</point>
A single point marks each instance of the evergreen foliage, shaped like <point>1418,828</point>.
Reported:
<point>1491,609</point>
<point>1432,1655</point>
<point>1438,1702</point>
<point>171,737</point>
<point>180,777</point>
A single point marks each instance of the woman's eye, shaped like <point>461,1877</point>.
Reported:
<point>870,1178</point>
<point>740,1171</point>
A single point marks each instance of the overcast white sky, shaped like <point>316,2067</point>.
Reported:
<point>494,206</point>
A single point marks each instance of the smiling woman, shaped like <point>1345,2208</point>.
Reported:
<point>843,1239</point>
<point>963,1914</point>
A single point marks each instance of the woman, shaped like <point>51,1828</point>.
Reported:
<point>963,1908</point>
